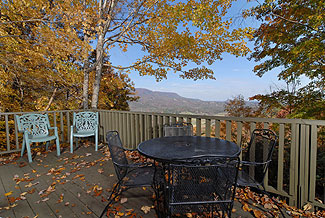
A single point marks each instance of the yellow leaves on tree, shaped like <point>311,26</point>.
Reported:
<point>40,53</point>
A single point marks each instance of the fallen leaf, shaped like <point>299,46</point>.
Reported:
<point>45,199</point>
<point>100,170</point>
<point>268,206</point>
<point>145,209</point>
<point>123,200</point>
<point>8,193</point>
<point>246,208</point>
<point>31,184</point>
<point>22,164</point>
<point>307,207</point>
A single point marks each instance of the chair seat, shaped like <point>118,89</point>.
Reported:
<point>41,138</point>
<point>141,176</point>
<point>83,134</point>
<point>245,180</point>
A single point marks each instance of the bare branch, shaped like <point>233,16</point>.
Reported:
<point>51,100</point>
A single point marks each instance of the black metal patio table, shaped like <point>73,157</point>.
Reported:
<point>169,149</point>
<point>176,149</point>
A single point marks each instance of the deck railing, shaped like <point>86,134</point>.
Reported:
<point>297,170</point>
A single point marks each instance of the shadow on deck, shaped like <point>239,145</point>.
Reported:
<point>72,185</point>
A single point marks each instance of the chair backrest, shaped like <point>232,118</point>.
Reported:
<point>202,185</point>
<point>178,129</point>
<point>34,124</point>
<point>85,121</point>
<point>117,153</point>
<point>260,150</point>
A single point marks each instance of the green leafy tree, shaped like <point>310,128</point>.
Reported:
<point>291,37</point>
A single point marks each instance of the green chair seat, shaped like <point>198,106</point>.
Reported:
<point>41,138</point>
<point>83,134</point>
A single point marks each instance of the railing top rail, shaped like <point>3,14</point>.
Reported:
<point>40,112</point>
<point>236,119</point>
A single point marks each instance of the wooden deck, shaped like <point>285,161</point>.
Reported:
<point>72,185</point>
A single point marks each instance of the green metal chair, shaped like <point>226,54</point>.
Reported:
<point>36,128</point>
<point>85,124</point>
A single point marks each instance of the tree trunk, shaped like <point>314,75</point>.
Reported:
<point>85,94</point>
<point>99,66</point>
<point>85,89</point>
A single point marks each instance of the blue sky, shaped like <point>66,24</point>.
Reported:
<point>234,76</point>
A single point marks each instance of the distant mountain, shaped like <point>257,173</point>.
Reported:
<point>169,102</point>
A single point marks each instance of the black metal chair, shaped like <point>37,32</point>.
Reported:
<point>256,158</point>
<point>129,175</point>
<point>178,129</point>
<point>201,186</point>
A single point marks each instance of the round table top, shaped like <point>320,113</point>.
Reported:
<point>186,147</point>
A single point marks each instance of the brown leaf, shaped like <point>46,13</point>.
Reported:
<point>258,214</point>
<point>22,164</point>
<point>268,206</point>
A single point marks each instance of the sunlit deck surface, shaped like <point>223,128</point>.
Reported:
<point>72,185</point>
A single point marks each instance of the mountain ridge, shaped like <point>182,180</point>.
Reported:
<point>170,102</point>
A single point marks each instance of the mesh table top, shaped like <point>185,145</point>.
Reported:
<point>167,149</point>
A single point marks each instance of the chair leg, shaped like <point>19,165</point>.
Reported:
<point>47,145</point>
<point>111,198</point>
<point>29,153</point>
<point>71,143</point>
<point>57,146</point>
<point>23,148</point>
<point>96,142</point>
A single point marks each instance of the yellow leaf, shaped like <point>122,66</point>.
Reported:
<point>8,193</point>
<point>307,207</point>
<point>145,209</point>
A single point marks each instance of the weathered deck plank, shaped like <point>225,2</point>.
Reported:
<point>44,183</point>
<point>3,199</point>
<point>24,208</point>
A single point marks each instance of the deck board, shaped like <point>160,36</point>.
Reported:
<point>77,191</point>
<point>24,208</point>
<point>53,197</point>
